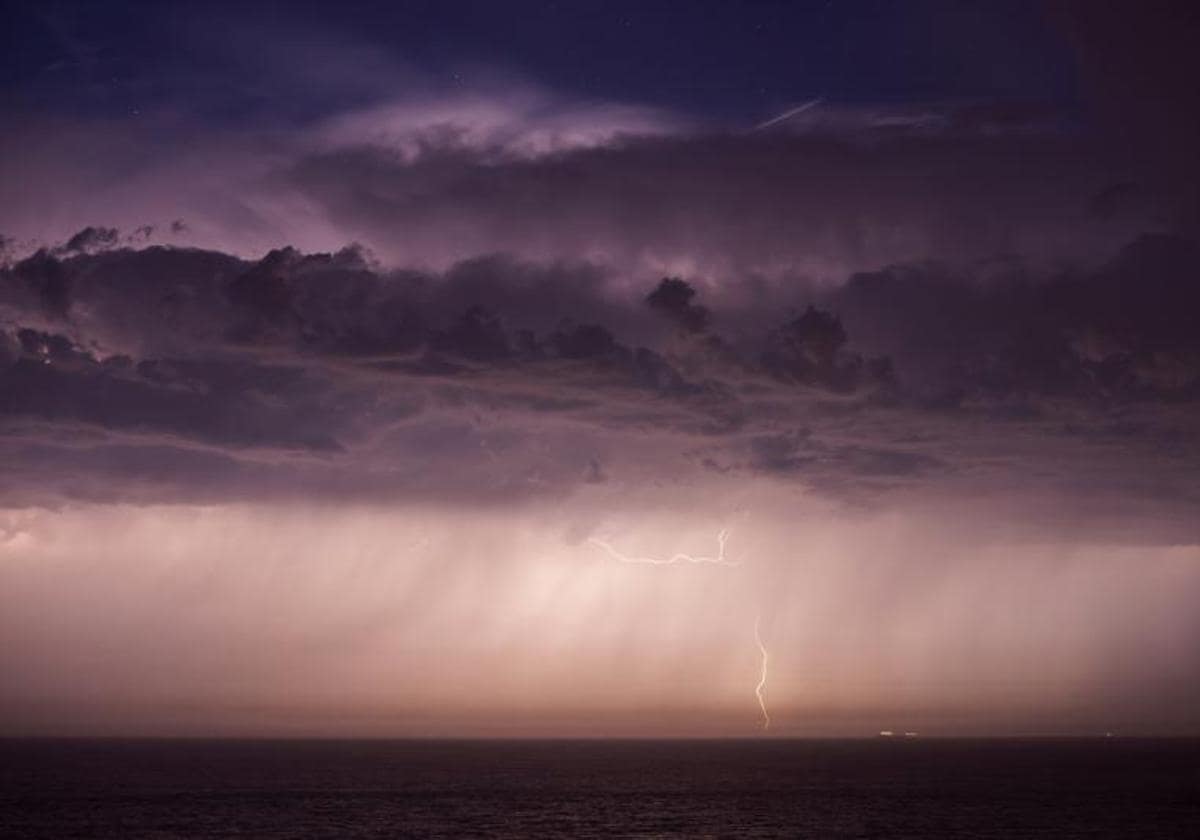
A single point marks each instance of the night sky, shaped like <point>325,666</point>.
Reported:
<point>564,368</point>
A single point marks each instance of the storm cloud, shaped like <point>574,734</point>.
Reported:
<point>334,371</point>
<point>314,372</point>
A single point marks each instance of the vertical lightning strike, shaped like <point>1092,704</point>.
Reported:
<point>762,679</point>
<point>720,559</point>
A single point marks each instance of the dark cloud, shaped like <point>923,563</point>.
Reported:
<point>50,283</point>
<point>801,452</point>
<point>476,335</point>
<point>311,365</point>
<point>595,473</point>
<point>585,341</point>
<point>211,401</point>
<point>91,239</point>
<point>781,453</point>
<point>1120,332</point>
<point>1136,61</point>
<point>673,298</point>
<point>810,350</point>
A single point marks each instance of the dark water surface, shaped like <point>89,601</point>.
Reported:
<point>354,789</point>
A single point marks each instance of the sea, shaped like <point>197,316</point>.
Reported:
<point>871,788</point>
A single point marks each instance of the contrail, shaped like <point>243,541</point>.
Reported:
<point>762,679</point>
<point>787,115</point>
<point>719,560</point>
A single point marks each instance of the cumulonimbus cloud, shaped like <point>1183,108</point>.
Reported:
<point>299,372</point>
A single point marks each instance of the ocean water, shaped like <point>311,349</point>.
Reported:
<point>646,789</point>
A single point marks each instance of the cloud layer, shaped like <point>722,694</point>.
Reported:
<point>328,373</point>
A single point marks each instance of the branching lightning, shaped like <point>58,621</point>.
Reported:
<point>762,679</point>
<point>719,560</point>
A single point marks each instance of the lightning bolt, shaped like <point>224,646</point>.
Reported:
<point>719,560</point>
<point>762,679</point>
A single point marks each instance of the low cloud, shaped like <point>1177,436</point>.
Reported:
<point>328,373</point>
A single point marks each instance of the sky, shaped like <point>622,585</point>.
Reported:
<point>565,369</point>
